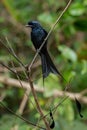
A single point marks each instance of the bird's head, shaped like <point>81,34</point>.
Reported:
<point>33,24</point>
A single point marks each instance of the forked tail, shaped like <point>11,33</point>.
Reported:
<point>47,65</point>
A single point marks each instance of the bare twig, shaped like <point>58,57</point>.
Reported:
<point>24,101</point>
<point>37,103</point>
<point>56,93</point>
<point>49,34</point>
<point>25,120</point>
<point>15,82</point>
<point>13,53</point>
<point>10,50</point>
<point>3,95</point>
<point>55,107</point>
<point>8,68</point>
<point>25,98</point>
<point>84,92</point>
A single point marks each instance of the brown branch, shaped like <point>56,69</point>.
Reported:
<point>24,101</point>
<point>25,120</point>
<point>18,69</point>
<point>10,69</point>
<point>84,91</point>
<point>11,51</point>
<point>16,83</point>
<point>56,93</point>
<point>26,94</point>
<point>71,95</point>
<point>3,95</point>
<point>36,101</point>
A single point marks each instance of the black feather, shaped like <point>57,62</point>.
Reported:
<point>79,107</point>
<point>38,34</point>
<point>52,125</point>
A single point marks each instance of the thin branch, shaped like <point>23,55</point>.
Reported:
<point>13,53</point>
<point>55,107</point>
<point>24,101</point>
<point>56,93</point>
<point>3,95</point>
<point>36,101</point>
<point>67,6</point>
<point>84,92</point>
<point>15,82</point>
<point>25,120</point>
<point>10,50</point>
<point>8,68</point>
<point>25,98</point>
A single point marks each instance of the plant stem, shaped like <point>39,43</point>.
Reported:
<point>37,103</point>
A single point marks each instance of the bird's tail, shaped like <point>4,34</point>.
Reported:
<point>48,66</point>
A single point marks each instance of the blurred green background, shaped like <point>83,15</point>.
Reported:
<point>67,46</point>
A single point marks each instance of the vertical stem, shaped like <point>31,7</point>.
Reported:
<point>37,103</point>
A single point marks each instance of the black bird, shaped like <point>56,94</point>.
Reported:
<point>38,34</point>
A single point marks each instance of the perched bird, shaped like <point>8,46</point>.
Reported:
<point>38,34</point>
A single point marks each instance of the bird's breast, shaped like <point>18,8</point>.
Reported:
<point>37,37</point>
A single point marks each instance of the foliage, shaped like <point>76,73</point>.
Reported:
<point>67,46</point>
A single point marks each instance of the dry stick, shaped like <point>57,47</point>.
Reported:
<point>84,92</point>
<point>49,34</point>
<point>13,53</point>
<point>22,106</point>
<point>15,82</point>
<point>54,108</point>
<point>56,93</point>
<point>31,84</point>
<point>25,120</point>
<point>10,50</point>
<point>36,101</point>
<point>21,64</point>
<point>3,95</point>
<point>26,95</point>
<point>25,98</point>
<point>15,56</point>
<point>21,84</point>
<point>8,68</point>
<point>24,101</point>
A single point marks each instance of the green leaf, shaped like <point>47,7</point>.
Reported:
<point>84,69</point>
<point>77,9</point>
<point>50,83</point>
<point>68,53</point>
<point>47,17</point>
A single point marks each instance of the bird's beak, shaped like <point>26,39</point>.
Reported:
<point>28,25</point>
